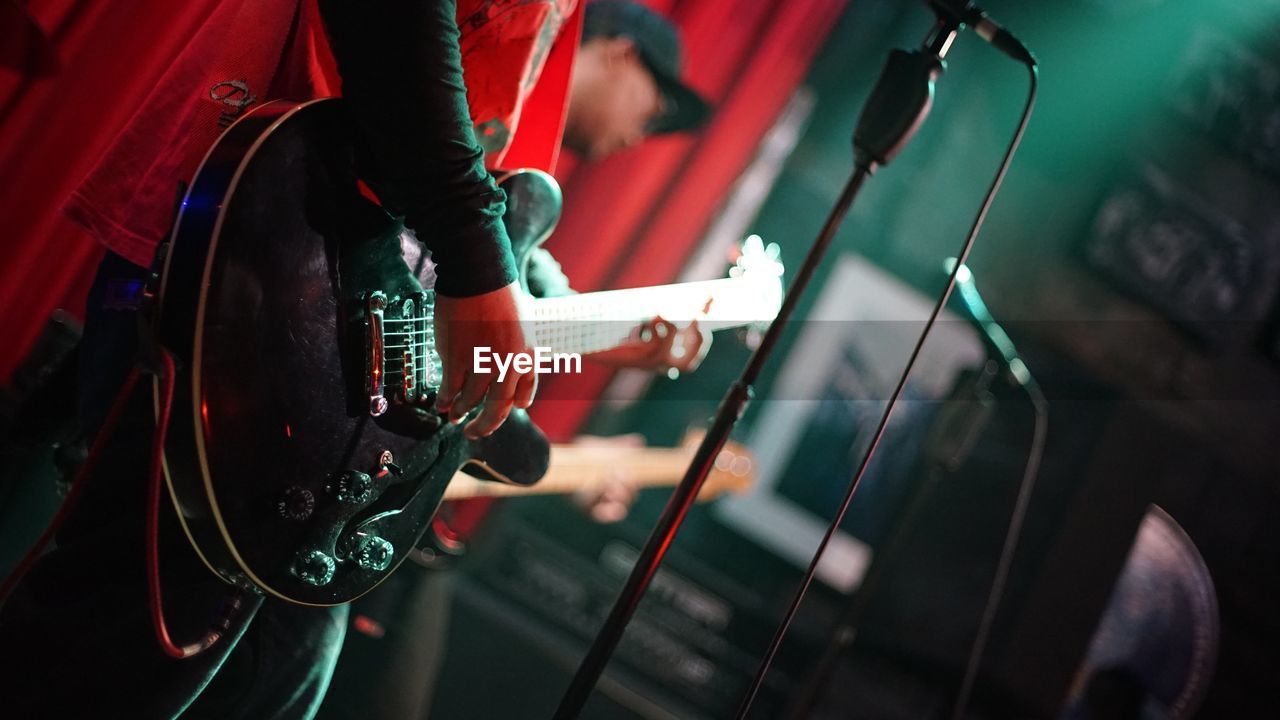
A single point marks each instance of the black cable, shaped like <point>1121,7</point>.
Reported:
<point>1026,486</point>
<point>847,499</point>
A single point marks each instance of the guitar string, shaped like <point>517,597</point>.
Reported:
<point>585,330</point>
<point>590,328</point>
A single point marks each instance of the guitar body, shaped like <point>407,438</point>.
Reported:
<point>293,469</point>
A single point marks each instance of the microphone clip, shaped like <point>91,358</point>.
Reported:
<point>959,13</point>
<point>897,106</point>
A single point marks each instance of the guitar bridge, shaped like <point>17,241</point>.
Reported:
<point>402,363</point>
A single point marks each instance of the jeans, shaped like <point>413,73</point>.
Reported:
<point>76,639</point>
<point>389,671</point>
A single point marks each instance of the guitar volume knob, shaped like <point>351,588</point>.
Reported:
<point>373,553</point>
<point>353,487</point>
<point>297,503</point>
<point>314,567</point>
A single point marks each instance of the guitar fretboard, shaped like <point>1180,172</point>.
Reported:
<point>598,321</point>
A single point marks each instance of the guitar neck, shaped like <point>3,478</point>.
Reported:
<point>592,322</point>
<point>573,467</point>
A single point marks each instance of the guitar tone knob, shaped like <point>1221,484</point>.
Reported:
<point>314,567</point>
<point>353,488</point>
<point>297,503</point>
<point>373,553</point>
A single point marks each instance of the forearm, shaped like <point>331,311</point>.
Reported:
<point>402,77</point>
<point>546,279</point>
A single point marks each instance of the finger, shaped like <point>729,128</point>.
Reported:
<point>632,487</point>
<point>694,337</point>
<point>704,347</point>
<point>586,497</point>
<point>608,512</point>
<point>664,341</point>
<point>628,440</point>
<point>618,491</point>
<point>497,406</point>
<point>681,352</point>
<point>474,388</point>
<point>655,329</point>
<point>453,375</point>
<point>696,342</point>
<point>525,390</point>
<point>665,329</point>
<point>646,331</point>
<point>622,486</point>
<point>633,440</point>
<point>650,345</point>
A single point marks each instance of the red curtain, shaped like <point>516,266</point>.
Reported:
<point>629,221</point>
<point>634,219</point>
<point>53,126</point>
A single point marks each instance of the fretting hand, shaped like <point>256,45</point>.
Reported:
<point>609,501</point>
<point>661,346</point>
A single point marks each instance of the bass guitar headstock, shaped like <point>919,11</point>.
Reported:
<point>759,265</point>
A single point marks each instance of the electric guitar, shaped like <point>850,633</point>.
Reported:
<point>301,458</point>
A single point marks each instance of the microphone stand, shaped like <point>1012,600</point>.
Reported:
<point>894,112</point>
<point>960,423</point>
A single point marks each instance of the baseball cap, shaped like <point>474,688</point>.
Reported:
<point>658,43</point>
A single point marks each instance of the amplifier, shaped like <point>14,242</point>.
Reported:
<point>540,580</point>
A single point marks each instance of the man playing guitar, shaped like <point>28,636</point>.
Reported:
<point>395,643</point>
<point>82,612</point>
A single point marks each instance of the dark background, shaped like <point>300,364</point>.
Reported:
<point>1132,255</point>
<point>1150,325</point>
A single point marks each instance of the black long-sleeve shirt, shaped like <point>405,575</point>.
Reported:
<point>401,71</point>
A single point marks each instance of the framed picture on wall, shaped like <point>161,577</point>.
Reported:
<point>1196,265</point>
<point>1231,91</point>
<point>820,412</point>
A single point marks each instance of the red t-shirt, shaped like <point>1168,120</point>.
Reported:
<point>516,55</point>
